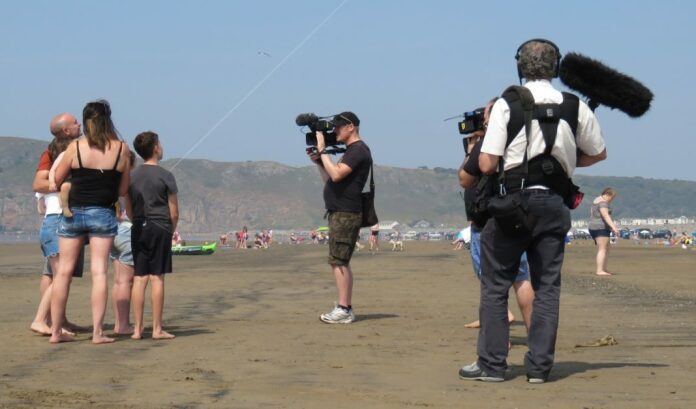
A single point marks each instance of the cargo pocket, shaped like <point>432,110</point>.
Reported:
<point>342,249</point>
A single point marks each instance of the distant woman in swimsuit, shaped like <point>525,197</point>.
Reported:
<point>601,225</point>
<point>99,166</point>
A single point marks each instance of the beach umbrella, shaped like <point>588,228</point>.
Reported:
<point>322,228</point>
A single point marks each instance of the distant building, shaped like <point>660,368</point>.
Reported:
<point>650,221</point>
<point>389,225</point>
<point>579,223</point>
<point>421,224</point>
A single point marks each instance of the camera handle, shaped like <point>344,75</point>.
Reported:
<point>330,151</point>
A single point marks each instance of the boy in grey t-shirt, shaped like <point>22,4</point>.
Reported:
<point>155,212</point>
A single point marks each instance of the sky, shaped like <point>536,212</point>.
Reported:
<point>224,80</point>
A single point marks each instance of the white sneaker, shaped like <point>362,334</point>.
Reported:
<point>338,316</point>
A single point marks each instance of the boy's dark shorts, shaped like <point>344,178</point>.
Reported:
<point>344,228</point>
<point>151,244</point>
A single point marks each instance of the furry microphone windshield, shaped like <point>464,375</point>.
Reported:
<point>604,86</point>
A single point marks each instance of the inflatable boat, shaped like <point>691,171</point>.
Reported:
<point>194,250</point>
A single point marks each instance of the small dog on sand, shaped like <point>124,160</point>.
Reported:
<point>397,244</point>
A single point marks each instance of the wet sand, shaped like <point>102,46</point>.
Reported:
<point>248,335</point>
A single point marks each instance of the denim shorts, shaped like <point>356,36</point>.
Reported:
<point>48,237</point>
<point>475,249</point>
<point>89,221</point>
<point>79,266</point>
<point>121,249</point>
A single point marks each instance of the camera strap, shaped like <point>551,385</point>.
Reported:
<point>527,100</point>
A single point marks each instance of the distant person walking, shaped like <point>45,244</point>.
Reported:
<point>601,225</point>
<point>242,237</point>
<point>99,167</point>
<point>374,238</point>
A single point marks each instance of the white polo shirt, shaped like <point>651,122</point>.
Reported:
<point>588,139</point>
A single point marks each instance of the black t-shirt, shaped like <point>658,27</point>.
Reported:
<point>344,196</point>
<point>150,187</point>
<point>472,167</point>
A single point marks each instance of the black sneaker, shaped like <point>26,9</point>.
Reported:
<point>474,373</point>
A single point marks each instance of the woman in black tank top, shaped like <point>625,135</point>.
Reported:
<point>99,177</point>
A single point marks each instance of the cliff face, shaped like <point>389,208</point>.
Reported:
<point>18,160</point>
<point>217,196</point>
<point>224,196</point>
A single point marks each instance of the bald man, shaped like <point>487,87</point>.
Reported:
<point>62,126</point>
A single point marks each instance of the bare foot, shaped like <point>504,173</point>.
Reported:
<point>66,331</point>
<point>137,335</point>
<point>60,338</point>
<point>604,273</point>
<point>40,328</point>
<point>102,339</point>
<point>473,324</point>
<point>163,335</point>
<point>74,327</point>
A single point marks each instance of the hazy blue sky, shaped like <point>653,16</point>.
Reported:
<point>403,66</point>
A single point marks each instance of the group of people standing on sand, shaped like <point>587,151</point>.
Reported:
<point>262,239</point>
<point>90,193</point>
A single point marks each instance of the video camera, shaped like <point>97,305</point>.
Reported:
<point>473,121</point>
<point>318,124</point>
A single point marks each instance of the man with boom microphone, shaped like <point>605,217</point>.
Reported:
<point>534,169</point>
<point>344,182</point>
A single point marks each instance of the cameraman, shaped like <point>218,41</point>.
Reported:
<point>547,219</point>
<point>469,176</point>
<point>344,183</point>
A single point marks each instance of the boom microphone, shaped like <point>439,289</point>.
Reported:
<point>306,119</point>
<point>604,85</point>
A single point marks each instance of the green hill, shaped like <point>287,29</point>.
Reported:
<point>220,196</point>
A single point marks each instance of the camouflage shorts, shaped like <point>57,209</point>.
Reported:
<point>344,228</point>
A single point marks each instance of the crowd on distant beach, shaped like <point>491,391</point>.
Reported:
<point>262,239</point>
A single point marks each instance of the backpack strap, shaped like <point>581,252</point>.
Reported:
<point>521,96</point>
<point>568,112</point>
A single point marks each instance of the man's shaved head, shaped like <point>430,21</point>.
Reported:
<point>65,125</point>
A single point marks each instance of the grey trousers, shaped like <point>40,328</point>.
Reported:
<point>549,221</point>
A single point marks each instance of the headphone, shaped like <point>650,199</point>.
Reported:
<point>540,40</point>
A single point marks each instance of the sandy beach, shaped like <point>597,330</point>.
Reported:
<point>248,335</point>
